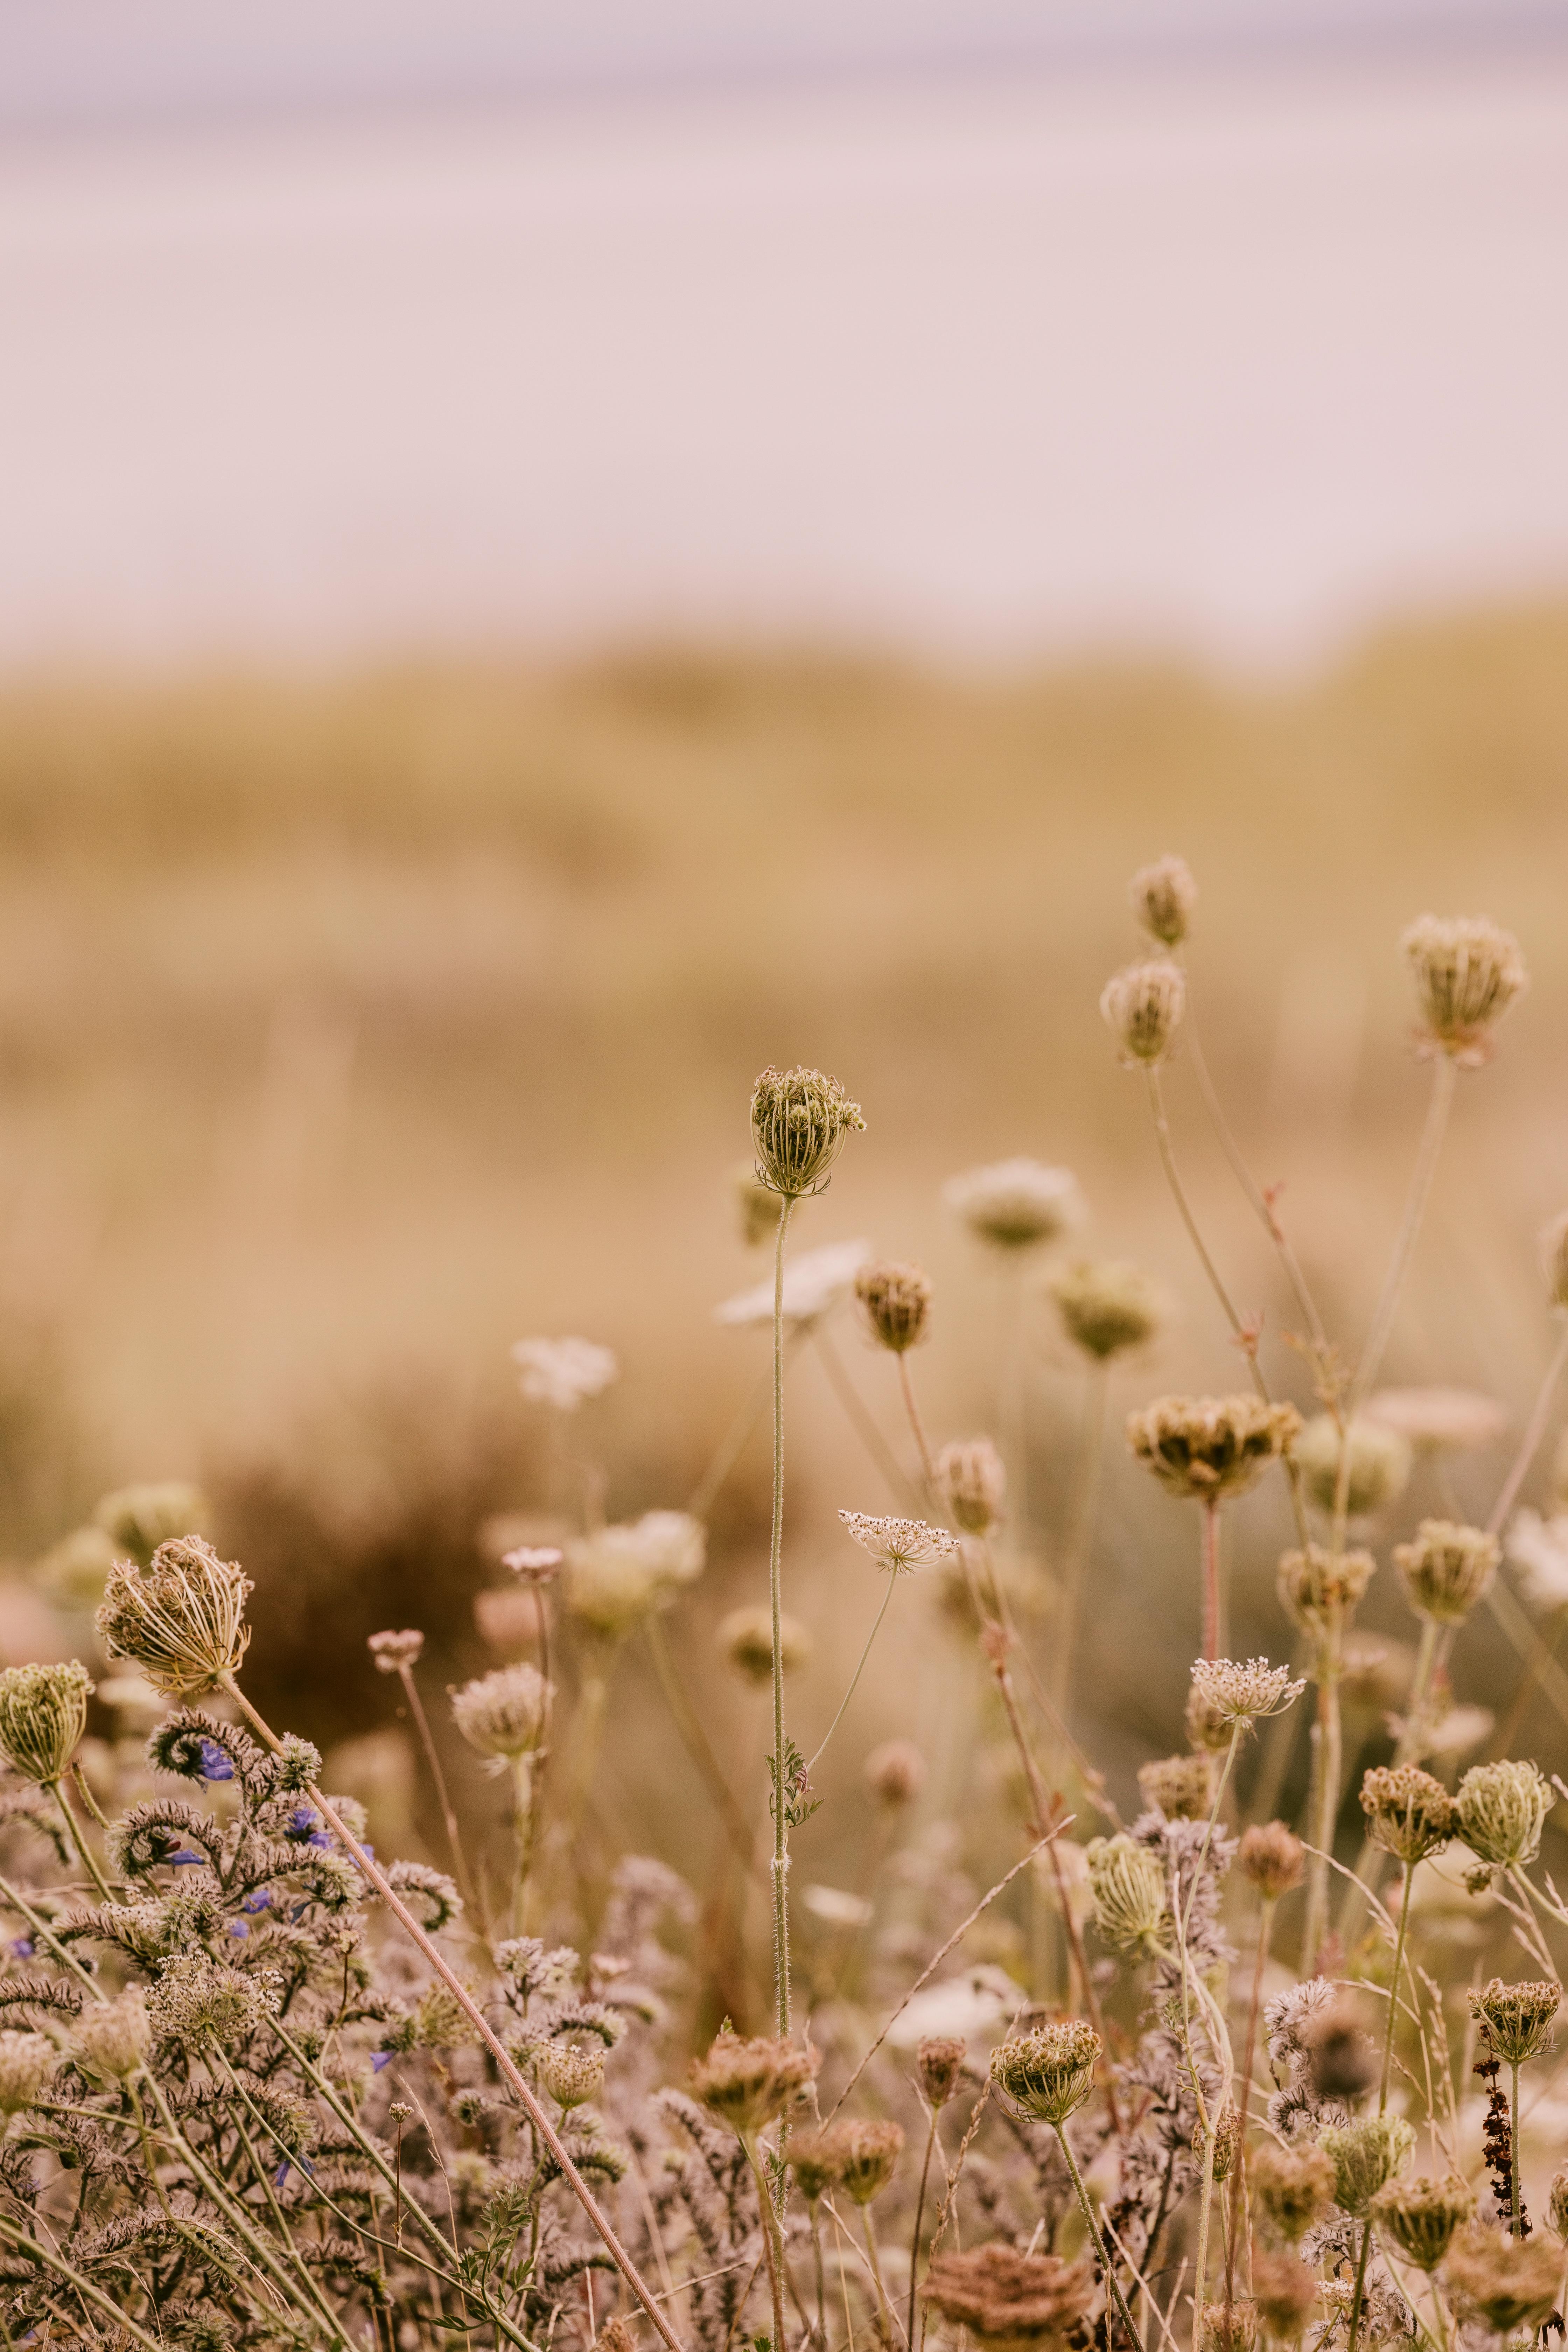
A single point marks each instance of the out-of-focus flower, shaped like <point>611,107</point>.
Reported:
<point>814,1283</point>
<point>1437,1421</point>
<point>564,1372</point>
<point>895,1772</point>
<point>1447,1569</point>
<point>620,1574</point>
<point>1539,1550</point>
<point>1016,1204</point>
<point>1467,971</point>
<point>834,1906</point>
<point>1377,1470</point>
<point>504,1715</point>
<point>1006,2297</point>
<point>1162,896</point>
<point>896,1302</point>
<point>746,1638</point>
<point>1208,1449</point>
<point>1107,1307</point>
<point>972,1482</point>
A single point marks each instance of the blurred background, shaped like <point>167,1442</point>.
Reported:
<point>553,558</point>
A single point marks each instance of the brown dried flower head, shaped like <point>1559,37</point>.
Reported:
<point>900,1545</point>
<point>972,1483</point>
<point>871,2152</point>
<point>182,1620</point>
<point>1127,1882</point>
<point>1272,1859</point>
<point>1232,1693</point>
<point>941,2061</point>
<point>1107,1307</point>
<point>1365,2154</point>
<point>392,1652</point>
<point>896,1303</point>
<point>615,2336</point>
<point>1228,2328</point>
<point>1409,1813</point>
<point>1162,897</point>
<point>801,1119</point>
<point>816,2159</point>
<point>1419,2217</point>
<point>1516,2020</point>
<point>1208,1449</point>
<point>1009,2298</point>
<point>751,2081</point>
<point>1466,972</point>
<point>1295,2187</point>
<point>1142,1006</point>
<point>1180,1786</point>
<point>746,1638</point>
<point>895,1772</point>
<point>1448,1569</point>
<point>504,1715</point>
<point>1320,1591</point>
<point>1049,2071</point>
<point>26,2063</point>
<point>1284,2290</point>
<point>1509,2283</point>
<point>112,2037</point>
<point>1016,1204</point>
<point>1376,1468</point>
<point>43,1715</point>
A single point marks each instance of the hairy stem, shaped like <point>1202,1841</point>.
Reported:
<point>1111,2283</point>
<point>915,2234</point>
<point>776,1599</point>
<point>1080,1529</point>
<point>860,1670</point>
<point>1208,1552</point>
<point>57,1790</point>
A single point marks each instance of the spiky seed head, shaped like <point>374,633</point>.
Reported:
<point>1272,1859</point>
<point>1107,1307</point>
<point>504,1715</point>
<point>800,1120</point>
<point>1162,897</point>
<point>1208,1449</point>
<point>1365,2154</point>
<point>1016,1204</point>
<point>1295,2187</point>
<point>1466,972</point>
<point>1408,1814</point>
<point>26,2063</point>
<point>1319,1589</point>
<point>1284,2290</point>
<point>746,1638</point>
<point>1127,1884</point>
<point>895,1301</point>
<point>972,1483</point>
<point>570,2072</point>
<point>1142,1007</point>
<point>43,1715</point>
<point>1377,1467</point>
<point>756,1207</point>
<point>1516,2020</point>
<point>1008,2299</point>
<point>1048,2073</point>
<point>1509,2283</point>
<point>1557,2205</point>
<point>1228,2328</point>
<point>181,1619</point>
<point>900,1545</point>
<point>1448,1569</point>
<point>940,2059</point>
<point>137,1519</point>
<point>1503,1810</point>
<point>871,2152</point>
<point>751,2081</point>
<point>1235,1692</point>
<point>1180,1786</point>
<point>112,2038</point>
<point>1226,2142</point>
<point>816,2158</point>
<point>204,2003</point>
<point>895,1772</point>
<point>1554,1259</point>
<point>393,1650</point>
<point>1419,2217</point>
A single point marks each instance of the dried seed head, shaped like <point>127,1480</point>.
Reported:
<point>137,1519</point>
<point>202,2002</point>
<point>1439,1420</point>
<point>1237,1693</point>
<point>1226,2142</point>
<point>392,1652</point>
<point>1447,1569</point>
<point>1365,2154</point>
<point>182,1620</point>
<point>1510,2282</point>
<point>800,1119</point>
<point>750,2083</point>
<point>746,1638</point>
<point>972,1483</point>
<point>563,1373</point>
<point>816,2159</point>
<point>615,2336</point>
<point>1142,1007</point>
<point>504,1715</point>
<point>941,2061</point>
<point>1557,2205</point>
<point>1208,1449</point>
<point>900,1545</point>
<point>1419,2217</point>
<point>1295,2187</point>
<point>1378,1467</point>
<point>1107,1307</point>
<point>1127,1884</point>
<point>1180,1786</point>
<point>1341,2054</point>
<point>1008,2299</point>
<point>1320,1591</point>
<point>1049,2071</point>
<point>1228,2328</point>
<point>871,2152</point>
<point>1284,2290</point>
<point>1515,2020</point>
<point>1162,897</point>
<point>1466,972</point>
<point>1503,1810</point>
<point>26,2063</point>
<point>1016,1204</point>
<point>43,1714</point>
<point>896,1303</point>
<point>756,1207</point>
<point>1272,1859</point>
<point>570,2072</point>
<point>112,2038</point>
<point>1408,1814</point>
<point>620,1574</point>
<point>895,1772</point>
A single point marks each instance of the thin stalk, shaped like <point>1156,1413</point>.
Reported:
<point>1327,1766</point>
<point>884,2315</point>
<point>1513,2153</point>
<point>772,2245</point>
<point>1264,1927</point>
<point>1534,1430</point>
<point>35,2251</point>
<point>1080,1531</point>
<point>433,1765</point>
<point>861,1668</point>
<point>1208,1554</point>
<point>923,1444</point>
<point>1431,1144</point>
<point>734,1442</point>
<point>817,2274</point>
<point>1393,1997</point>
<point>1113,2284</point>
<point>1013,1409</point>
<point>775,1598</point>
<point>1542,1652</point>
<point>313,2294</point>
<point>84,1792</point>
<point>522,1833</point>
<point>915,2234</point>
<point>688,1724</point>
<point>57,1790</point>
<point>898,1480</point>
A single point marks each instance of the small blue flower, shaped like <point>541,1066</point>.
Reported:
<point>302,1826</point>
<point>237,1928</point>
<point>215,1764</point>
<point>260,1901</point>
<point>297,1912</point>
<point>321,1840</point>
<point>282,2175</point>
<point>184,1856</point>
<point>380,2058</point>
<point>21,1949</point>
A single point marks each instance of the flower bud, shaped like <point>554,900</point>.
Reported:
<point>1162,897</point>
<point>1180,1786</point>
<point>1447,1569</point>
<point>896,1303</point>
<point>1108,1308</point>
<point>871,2152</point>
<point>1468,972</point>
<point>800,1119</point>
<point>1142,1007</point>
<point>1365,2154</point>
<point>1127,1884</point>
<point>1419,2217</point>
<point>1272,1859</point>
<point>1049,2071</point>
<point>746,1638</point>
<point>972,1483</point>
<point>26,2063</point>
<point>182,1620</point>
<point>895,1772</point>
<point>941,2061</point>
<point>112,2038</point>
<point>1377,1469</point>
<point>504,1715</point>
<point>1502,1811</point>
<point>1319,1589</point>
<point>43,1714</point>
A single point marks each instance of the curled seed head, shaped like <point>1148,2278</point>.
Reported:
<point>1048,2072</point>
<point>570,2072</point>
<point>1180,1786</point>
<point>181,1619</point>
<point>800,1120</point>
<point>751,2081</point>
<point>112,2038</point>
<point>1295,2187</point>
<point>1208,1449</point>
<point>1408,1814</point>
<point>43,1714</point>
<point>746,1638</point>
<point>1377,1465</point>
<point>1127,1884</point>
<point>1516,2020</point>
<point>1420,2216</point>
<point>1162,897</point>
<point>1320,1591</point>
<point>941,2061</point>
<point>202,2002</point>
<point>1466,972</point>
<point>1510,2282</point>
<point>1365,2154</point>
<point>26,2063</point>
<point>1448,1569</point>
<point>1107,1307</point>
<point>816,2158</point>
<point>896,1303</point>
<point>972,1484</point>
<point>871,2152</point>
<point>1557,2205</point>
<point>1503,1810</point>
<point>1226,2142</point>
<point>1272,1859</point>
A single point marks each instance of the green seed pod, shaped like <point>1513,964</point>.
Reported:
<point>1127,1880</point>
<point>1365,2155</point>
<point>1502,1811</point>
<point>43,1714</point>
<point>1049,2071</point>
<point>1419,2217</point>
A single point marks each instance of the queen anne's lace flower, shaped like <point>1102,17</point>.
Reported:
<point>1539,1550</point>
<point>564,1372</point>
<point>1234,1694</point>
<point>814,1283</point>
<point>900,1544</point>
<point>1016,1203</point>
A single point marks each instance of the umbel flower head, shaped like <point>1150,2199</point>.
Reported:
<point>570,2072</point>
<point>1510,2282</point>
<point>1127,1883</point>
<point>1235,1693</point>
<point>1142,1006</point>
<point>972,1484</point>
<point>563,1373</point>
<point>182,1620</point>
<point>26,2063</point>
<point>1365,2154</point>
<point>1408,1814</point>
<point>1503,1810</point>
<point>1180,1786</point>
<point>751,2081</point>
<point>1320,1589</point>
<point>1447,1569</point>
<point>871,2152</point>
<point>896,1303</point>
<point>43,1714</point>
<point>1377,1468</point>
<point>746,1638</point>
<point>1048,2073</point>
<point>112,2037</point>
<point>1515,2020</point>
<point>1466,972</point>
<point>800,1119</point>
<point>504,1715</point>
<point>620,1574</point>
<point>902,1545</point>
<point>1208,1449</point>
<point>393,1650</point>
<point>1295,2187</point>
<point>1272,1859</point>
<point>1107,1307</point>
<point>1007,2299</point>
<point>201,2002</point>
<point>1162,897</point>
<point>1016,1204</point>
<point>1419,2217</point>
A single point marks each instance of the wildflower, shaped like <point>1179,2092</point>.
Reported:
<point>112,2038</point>
<point>1007,2299</point>
<point>1516,2019</point>
<point>895,1772</point>
<point>1162,897</point>
<point>1320,1589</point>
<point>1447,1569</point>
<point>801,1119</point>
<point>1207,1449</point>
<point>392,1652</point>
<point>836,1907</point>
<point>534,1564</point>
<point>620,1574</point>
<point>1236,1695</point>
<point>506,1714</point>
<point>972,1484</point>
<point>182,1620</point>
<point>940,2058</point>
<point>1419,2217</point>
<point>199,2001</point>
<point>26,2063</point>
<point>137,1519</point>
<point>1272,1859</point>
<point>1016,1204</point>
<point>896,1302</point>
<point>1294,2187</point>
<point>1127,1882</point>
<point>1377,1470</point>
<point>1284,2290</point>
<point>756,1206</point>
<point>1180,1786</point>
<point>1466,973</point>
<point>1409,1813</point>
<point>1539,1550</point>
<point>1365,2154</point>
<point>814,1283</point>
<point>1228,2328</point>
<point>1108,1308</point>
<point>1503,1810</point>
<point>1437,1421</point>
<point>900,1545</point>
<point>750,2083</point>
<point>1142,1005</point>
<point>746,1638</point>
<point>1049,2071</point>
<point>871,2152</point>
<point>563,1373</point>
<point>570,2072</point>
<point>43,1714</point>
<point>1510,2282</point>
<point>816,2158</point>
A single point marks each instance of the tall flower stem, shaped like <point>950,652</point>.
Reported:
<point>776,1599</point>
<point>1425,1167</point>
<point>915,2234</point>
<point>1080,1528</point>
<point>1209,1557</point>
<point>861,1668</point>
<point>1358,2297</point>
<point>1513,2154</point>
<point>698,1746</point>
<point>773,2241</point>
<point>438,1779</point>
<point>57,1790</point>
<point>1113,2284</point>
<point>1238,2193</point>
<point>1327,1765</point>
<point>1535,1429</point>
